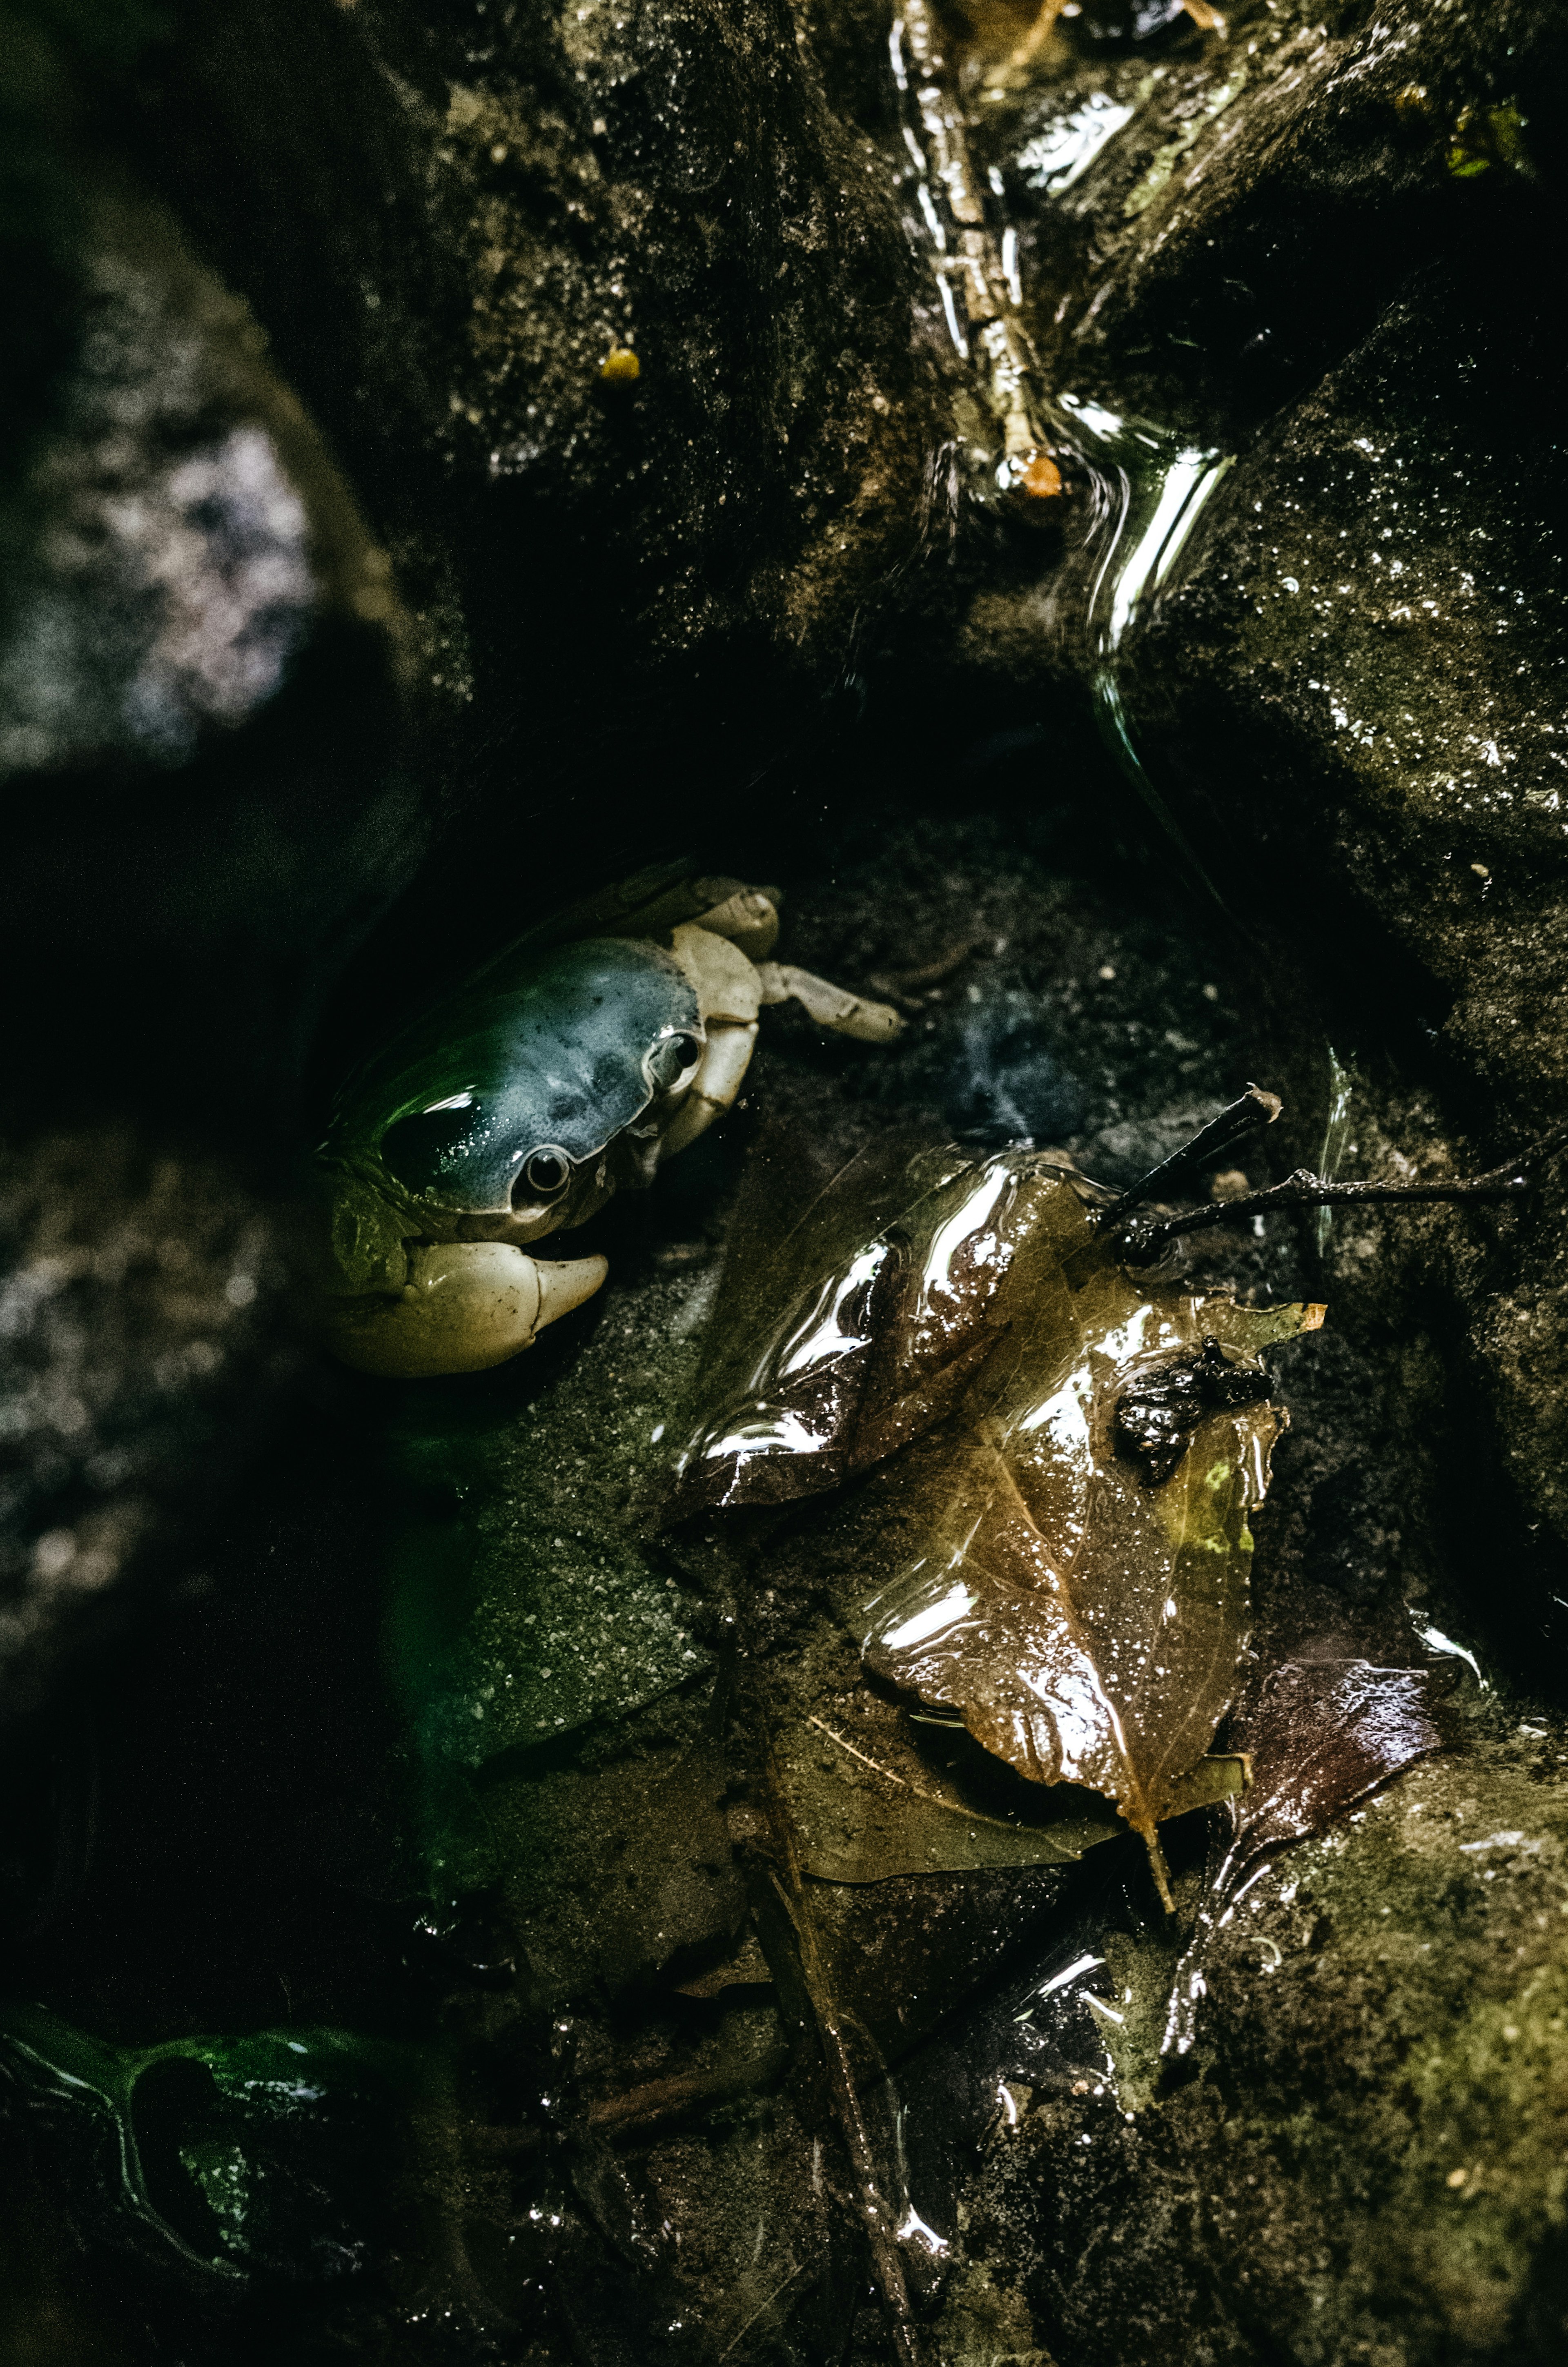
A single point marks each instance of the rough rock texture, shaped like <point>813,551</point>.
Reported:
<point>1391,619</point>
<point>629,592</point>
<point>1305,248</point>
<point>327,539</point>
<point>205,805</point>
<point>1263,193</point>
<point>1368,2164</point>
<point>199,646</point>
<point>322,524</point>
<point>144,1334</point>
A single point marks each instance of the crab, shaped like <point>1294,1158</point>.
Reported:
<point>570,1067</point>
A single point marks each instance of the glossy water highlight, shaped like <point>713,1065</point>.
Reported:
<point>1150,487</point>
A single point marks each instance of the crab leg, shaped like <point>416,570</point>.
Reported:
<point>748,918</point>
<point>830,1006</point>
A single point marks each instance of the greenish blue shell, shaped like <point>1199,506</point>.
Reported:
<point>550,1050</point>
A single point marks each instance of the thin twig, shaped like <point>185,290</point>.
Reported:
<point>1305,1190</point>
<point>1254,1109</point>
<point>1035,39</point>
<point>799,2270</point>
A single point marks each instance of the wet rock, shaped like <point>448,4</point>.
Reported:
<point>1364,626</point>
<point>1210,218</point>
<point>144,1344</point>
<point>175,569</point>
<point>1384,585</point>
<point>1367,2163</point>
<point>626,577</point>
<point>1372,627</point>
<point>982,2320</point>
<point>1334,676</point>
<point>199,651</point>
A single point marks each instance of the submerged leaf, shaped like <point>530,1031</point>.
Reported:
<point>867,1815</point>
<point>866,1807</point>
<point>1320,1735</point>
<point>1081,1597</point>
<point>1324,1735</point>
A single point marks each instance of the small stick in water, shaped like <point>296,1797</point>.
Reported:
<point>1208,1146</point>
<point>1145,1237</point>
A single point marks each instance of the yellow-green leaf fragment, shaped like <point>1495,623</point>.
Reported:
<point>1484,136</point>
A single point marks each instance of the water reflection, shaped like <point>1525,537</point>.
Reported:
<point>1063,153</point>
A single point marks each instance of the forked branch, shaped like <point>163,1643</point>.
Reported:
<point>1144,1238</point>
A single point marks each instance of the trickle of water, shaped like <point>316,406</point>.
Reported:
<point>1058,158</point>
<point>1335,1136</point>
<point>1157,487</point>
<point>1143,486</point>
<point>1150,489</point>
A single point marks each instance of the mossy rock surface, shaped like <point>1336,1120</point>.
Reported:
<point>1364,2157</point>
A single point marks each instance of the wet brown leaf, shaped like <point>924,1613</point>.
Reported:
<point>1320,1735</point>
<point>1080,1606</point>
<point>813,1298</point>
<point>866,1806</point>
<point>1100,1651</point>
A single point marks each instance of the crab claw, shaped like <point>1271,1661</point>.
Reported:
<point>466,1304</point>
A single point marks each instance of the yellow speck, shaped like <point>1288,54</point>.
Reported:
<point>1457,2177</point>
<point>621,367</point>
<point>1510,2030</point>
<point>1486,136</point>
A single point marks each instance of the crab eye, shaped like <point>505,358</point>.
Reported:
<point>545,1171</point>
<point>670,1058</point>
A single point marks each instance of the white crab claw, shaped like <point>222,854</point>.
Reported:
<point>467,1305</point>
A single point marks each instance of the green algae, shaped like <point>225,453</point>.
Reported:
<point>1371,2161</point>
<point>236,2154</point>
<point>536,1607</point>
<point>1172,151</point>
<point>984,2323</point>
